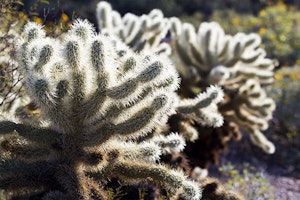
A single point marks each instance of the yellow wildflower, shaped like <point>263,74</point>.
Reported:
<point>262,31</point>
<point>272,36</point>
<point>281,4</point>
<point>37,20</point>
<point>235,20</point>
<point>262,13</point>
<point>64,18</point>
<point>278,76</point>
<point>21,14</point>
<point>233,172</point>
<point>298,61</point>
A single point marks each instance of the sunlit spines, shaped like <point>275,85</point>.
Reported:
<point>204,107</point>
<point>103,12</point>
<point>94,91</point>
<point>170,143</point>
<point>228,61</point>
<point>33,31</point>
<point>174,181</point>
<point>260,140</point>
<point>144,116</point>
<point>139,32</point>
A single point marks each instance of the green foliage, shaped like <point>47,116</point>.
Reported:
<point>278,25</point>
<point>248,181</point>
<point>286,93</point>
<point>183,7</point>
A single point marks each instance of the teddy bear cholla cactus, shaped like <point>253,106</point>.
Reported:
<point>236,63</point>
<point>98,99</point>
<point>139,32</point>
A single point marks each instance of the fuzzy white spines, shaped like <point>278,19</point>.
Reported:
<point>219,75</point>
<point>99,97</point>
<point>110,19</point>
<point>210,47</point>
<point>33,31</point>
<point>204,106</point>
<point>83,76</point>
<point>253,109</point>
<point>209,56</point>
<point>170,143</point>
<point>139,32</point>
<point>260,140</point>
<point>147,150</point>
<point>191,191</point>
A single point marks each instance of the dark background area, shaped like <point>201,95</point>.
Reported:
<point>86,9</point>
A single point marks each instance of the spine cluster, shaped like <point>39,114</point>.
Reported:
<point>204,57</point>
<point>103,107</point>
<point>237,64</point>
<point>110,107</point>
<point>139,32</point>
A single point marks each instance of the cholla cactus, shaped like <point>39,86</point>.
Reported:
<point>218,58</point>
<point>139,32</point>
<point>205,57</point>
<point>234,62</point>
<point>98,100</point>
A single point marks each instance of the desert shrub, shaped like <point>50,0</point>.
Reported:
<point>11,21</point>
<point>250,182</point>
<point>278,25</point>
<point>285,91</point>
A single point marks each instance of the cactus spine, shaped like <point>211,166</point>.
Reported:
<point>97,98</point>
<point>237,64</point>
<point>139,32</point>
<point>205,57</point>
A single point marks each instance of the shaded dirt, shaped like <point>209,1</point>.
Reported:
<point>282,167</point>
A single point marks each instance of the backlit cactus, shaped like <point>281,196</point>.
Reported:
<point>139,32</point>
<point>100,103</point>
<point>236,63</point>
<point>219,58</point>
<point>205,57</point>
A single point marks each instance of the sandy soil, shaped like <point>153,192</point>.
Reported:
<point>282,167</point>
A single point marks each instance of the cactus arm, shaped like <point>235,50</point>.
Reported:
<point>15,175</point>
<point>40,135</point>
<point>202,104</point>
<point>169,178</point>
<point>139,32</point>
<point>95,94</point>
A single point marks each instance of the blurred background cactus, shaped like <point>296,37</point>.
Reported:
<point>209,56</point>
<point>140,33</point>
<point>204,57</point>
